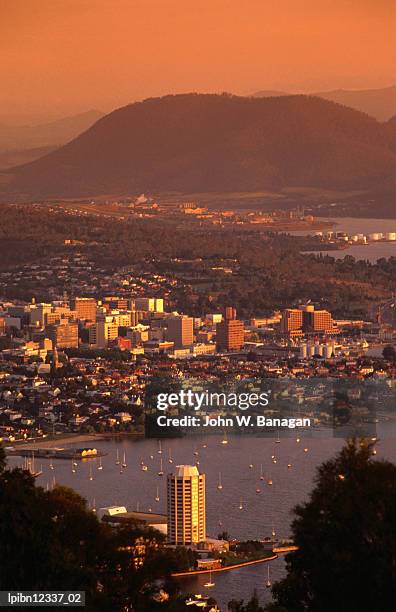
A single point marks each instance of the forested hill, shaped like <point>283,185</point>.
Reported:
<point>204,142</point>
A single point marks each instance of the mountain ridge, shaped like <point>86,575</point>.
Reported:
<point>378,103</point>
<point>210,142</point>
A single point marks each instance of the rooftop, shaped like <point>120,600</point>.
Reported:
<point>185,471</point>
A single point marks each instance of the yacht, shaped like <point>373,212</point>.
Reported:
<point>210,584</point>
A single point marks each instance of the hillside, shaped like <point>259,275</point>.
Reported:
<point>205,142</point>
<point>379,103</point>
<point>16,157</point>
<point>16,138</point>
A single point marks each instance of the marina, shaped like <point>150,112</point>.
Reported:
<point>233,503</point>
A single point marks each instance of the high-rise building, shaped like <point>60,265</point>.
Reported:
<point>103,332</point>
<point>85,308</point>
<point>38,312</point>
<point>64,334</point>
<point>305,319</point>
<point>291,322</point>
<point>180,331</point>
<point>186,506</point>
<point>149,304</point>
<point>317,321</point>
<point>230,333</point>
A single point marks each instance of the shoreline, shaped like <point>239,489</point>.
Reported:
<point>70,439</point>
<point>223,569</point>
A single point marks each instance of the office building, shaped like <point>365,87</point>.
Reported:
<point>63,334</point>
<point>85,308</point>
<point>306,320</point>
<point>180,331</point>
<point>291,322</point>
<point>149,304</point>
<point>38,312</point>
<point>317,321</point>
<point>103,332</point>
<point>186,506</point>
<point>230,333</point>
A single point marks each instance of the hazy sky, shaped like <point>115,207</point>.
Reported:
<point>63,56</point>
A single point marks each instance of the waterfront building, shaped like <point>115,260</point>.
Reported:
<point>186,506</point>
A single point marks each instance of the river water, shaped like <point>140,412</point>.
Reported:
<point>262,512</point>
<point>351,225</point>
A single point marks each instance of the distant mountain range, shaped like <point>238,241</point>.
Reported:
<point>55,133</point>
<point>379,103</point>
<point>204,142</point>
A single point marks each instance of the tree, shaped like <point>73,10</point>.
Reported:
<point>346,538</point>
<point>389,353</point>
<point>2,459</point>
<point>50,541</point>
<point>251,606</point>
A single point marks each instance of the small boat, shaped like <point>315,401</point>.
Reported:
<point>51,465</point>
<point>170,459</point>
<point>159,447</point>
<point>268,583</point>
<point>204,445</point>
<point>73,468</point>
<point>298,440</point>
<point>273,531</point>
<point>210,584</point>
<point>124,463</point>
<point>305,450</point>
<point>241,505</point>
<point>157,497</point>
<point>251,466</point>
<point>100,466</point>
<point>118,458</point>
<point>144,468</point>
<point>196,453</point>
<point>261,472</point>
<point>197,462</point>
<point>90,472</point>
<point>161,470</point>
<point>277,441</point>
<point>30,466</point>
<point>258,490</point>
<point>219,485</point>
<point>93,505</point>
<point>289,465</point>
<point>274,460</point>
<point>224,440</point>
<point>269,482</point>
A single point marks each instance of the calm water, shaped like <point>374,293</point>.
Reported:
<point>271,508</point>
<point>351,225</point>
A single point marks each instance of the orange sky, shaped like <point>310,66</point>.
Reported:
<point>64,56</point>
